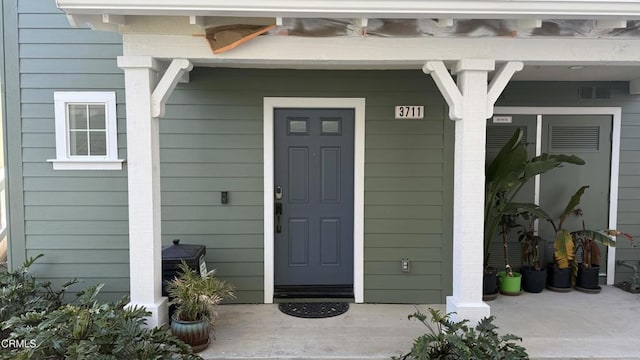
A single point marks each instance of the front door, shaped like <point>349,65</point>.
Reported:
<point>314,162</point>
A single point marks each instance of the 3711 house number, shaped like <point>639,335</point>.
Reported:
<point>409,112</point>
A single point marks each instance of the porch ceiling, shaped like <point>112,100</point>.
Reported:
<point>518,30</point>
<point>501,9</point>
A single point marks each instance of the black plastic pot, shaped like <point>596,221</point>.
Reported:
<point>533,280</point>
<point>490,282</point>
<point>558,279</point>
<point>588,277</point>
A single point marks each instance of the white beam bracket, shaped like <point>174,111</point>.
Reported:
<point>174,74</point>
<point>500,81</point>
<point>447,87</point>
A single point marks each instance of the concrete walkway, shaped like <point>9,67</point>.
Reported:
<point>570,325</point>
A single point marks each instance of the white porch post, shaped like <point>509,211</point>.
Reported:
<point>143,163</point>
<point>470,104</point>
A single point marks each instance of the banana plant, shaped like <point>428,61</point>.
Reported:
<point>563,245</point>
<point>506,175</point>
<point>588,241</point>
<point>567,244</point>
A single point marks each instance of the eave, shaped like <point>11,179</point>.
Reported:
<point>496,9</point>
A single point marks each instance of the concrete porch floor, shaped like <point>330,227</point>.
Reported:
<point>553,325</point>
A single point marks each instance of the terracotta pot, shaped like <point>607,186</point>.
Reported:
<point>194,333</point>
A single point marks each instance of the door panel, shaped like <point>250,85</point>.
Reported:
<point>298,175</point>
<point>314,160</point>
<point>589,137</point>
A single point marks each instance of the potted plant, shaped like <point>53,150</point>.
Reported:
<point>196,298</point>
<point>577,255</point>
<point>585,274</point>
<point>509,281</point>
<point>506,175</point>
<point>534,275</point>
<point>559,278</point>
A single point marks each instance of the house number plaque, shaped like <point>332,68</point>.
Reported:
<point>410,112</point>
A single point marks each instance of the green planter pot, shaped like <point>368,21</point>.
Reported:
<point>510,285</point>
<point>194,333</point>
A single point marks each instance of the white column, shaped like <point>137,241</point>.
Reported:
<point>468,191</point>
<point>143,165</point>
<point>470,104</point>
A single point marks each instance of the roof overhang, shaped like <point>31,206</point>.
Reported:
<point>165,29</point>
<point>476,9</point>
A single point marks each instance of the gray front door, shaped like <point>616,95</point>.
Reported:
<point>314,157</point>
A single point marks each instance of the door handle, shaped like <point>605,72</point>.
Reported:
<point>278,212</point>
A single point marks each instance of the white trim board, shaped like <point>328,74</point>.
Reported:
<point>358,104</point>
<point>476,9</point>
<point>616,115</point>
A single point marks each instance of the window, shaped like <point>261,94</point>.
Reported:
<point>86,134</point>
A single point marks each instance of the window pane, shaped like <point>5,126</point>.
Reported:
<point>96,117</point>
<point>297,126</point>
<point>77,116</point>
<point>78,145</point>
<point>330,126</point>
<point>98,143</point>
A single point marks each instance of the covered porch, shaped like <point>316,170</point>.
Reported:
<point>160,50</point>
<point>553,325</point>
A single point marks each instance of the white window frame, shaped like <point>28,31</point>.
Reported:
<point>64,160</point>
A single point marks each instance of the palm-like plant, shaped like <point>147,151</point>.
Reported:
<point>196,296</point>
<point>530,241</point>
<point>563,245</point>
<point>567,244</point>
<point>506,175</point>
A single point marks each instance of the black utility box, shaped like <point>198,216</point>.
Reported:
<point>172,255</point>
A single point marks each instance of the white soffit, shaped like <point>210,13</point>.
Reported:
<point>478,9</point>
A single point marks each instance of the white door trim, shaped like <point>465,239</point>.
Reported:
<point>358,104</point>
<point>616,114</point>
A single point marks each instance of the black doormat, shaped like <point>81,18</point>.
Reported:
<point>315,310</point>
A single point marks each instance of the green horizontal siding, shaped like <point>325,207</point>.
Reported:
<point>410,296</point>
<point>70,51</point>
<point>404,177</point>
<point>78,219</point>
<point>212,141</point>
<point>85,256</point>
<point>94,242</point>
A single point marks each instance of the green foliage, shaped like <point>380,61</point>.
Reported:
<point>530,241</point>
<point>567,244</point>
<point>90,329</point>
<point>197,296</point>
<point>450,340</point>
<point>33,314</point>
<point>21,292</point>
<point>506,175</point>
<point>563,245</point>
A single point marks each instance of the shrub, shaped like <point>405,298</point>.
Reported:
<point>21,293</point>
<point>83,329</point>
<point>450,340</point>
